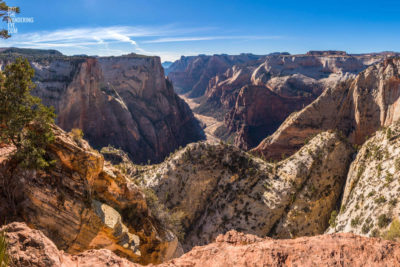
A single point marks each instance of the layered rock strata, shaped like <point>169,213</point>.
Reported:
<point>357,108</point>
<point>31,248</point>
<point>85,203</point>
<point>123,101</point>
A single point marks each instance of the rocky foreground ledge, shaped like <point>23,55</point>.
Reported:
<point>29,247</point>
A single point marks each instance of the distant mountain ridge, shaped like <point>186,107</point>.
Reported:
<point>253,95</point>
<point>166,65</point>
<point>192,74</point>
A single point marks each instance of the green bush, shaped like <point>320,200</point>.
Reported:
<point>397,164</point>
<point>4,258</point>
<point>25,122</point>
<point>393,202</point>
<point>383,220</point>
<point>394,231</point>
<point>356,221</point>
<point>380,200</point>
<point>332,219</point>
<point>367,226</point>
<point>389,133</point>
<point>389,177</point>
<point>77,134</point>
<point>170,220</point>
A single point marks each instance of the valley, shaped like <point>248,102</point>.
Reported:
<point>199,133</point>
<point>211,124</point>
<point>155,180</point>
<point>252,95</point>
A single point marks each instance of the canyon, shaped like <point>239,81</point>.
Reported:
<point>254,96</point>
<point>357,108</point>
<point>322,189</point>
<point>121,101</point>
<point>219,187</point>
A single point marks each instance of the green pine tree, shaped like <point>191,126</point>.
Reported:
<point>24,121</point>
<point>4,16</point>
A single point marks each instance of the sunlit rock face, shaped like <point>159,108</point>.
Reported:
<point>192,74</point>
<point>370,204</point>
<point>231,249</point>
<point>121,101</point>
<point>218,187</point>
<point>357,107</point>
<point>253,96</point>
<point>85,203</point>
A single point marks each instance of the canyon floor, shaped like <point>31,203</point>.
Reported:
<point>211,124</point>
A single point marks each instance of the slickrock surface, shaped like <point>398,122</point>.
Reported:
<point>84,203</point>
<point>357,107</point>
<point>237,249</point>
<point>123,101</point>
<point>29,247</point>
<point>370,204</point>
<point>218,188</point>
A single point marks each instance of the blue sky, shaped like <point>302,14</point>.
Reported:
<point>176,27</point>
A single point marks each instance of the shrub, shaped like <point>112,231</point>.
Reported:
<point>379,169</point>
<point>397,164</point>
<point>375,233</point>
<point>170,220</point>
<point>356,221</point>
<point>393,202</point>
<point>394,231</point>
<point>389,133</point>
<point>77,134</point>
<point>343,209</point>
<point>366,227</point>
<point>380,200</point>
<point>332,219</point>
<point>4,258</point>
<point>389,177</point>
<point>383,220</point>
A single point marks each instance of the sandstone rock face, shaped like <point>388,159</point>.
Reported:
<point>122,101</point>
<point>370,204</point>
<point>293,81</point>
<point>219,187</point>
<point>262,110</point>
<point>357,107</point>
<point>83,203</point>
<point>237,249</point>
<point>28,247</point>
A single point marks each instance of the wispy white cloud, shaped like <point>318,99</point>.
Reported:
<point>97,35</point>
<point>116,40</point>
<point>209,38</point>
<point>84,36</point>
